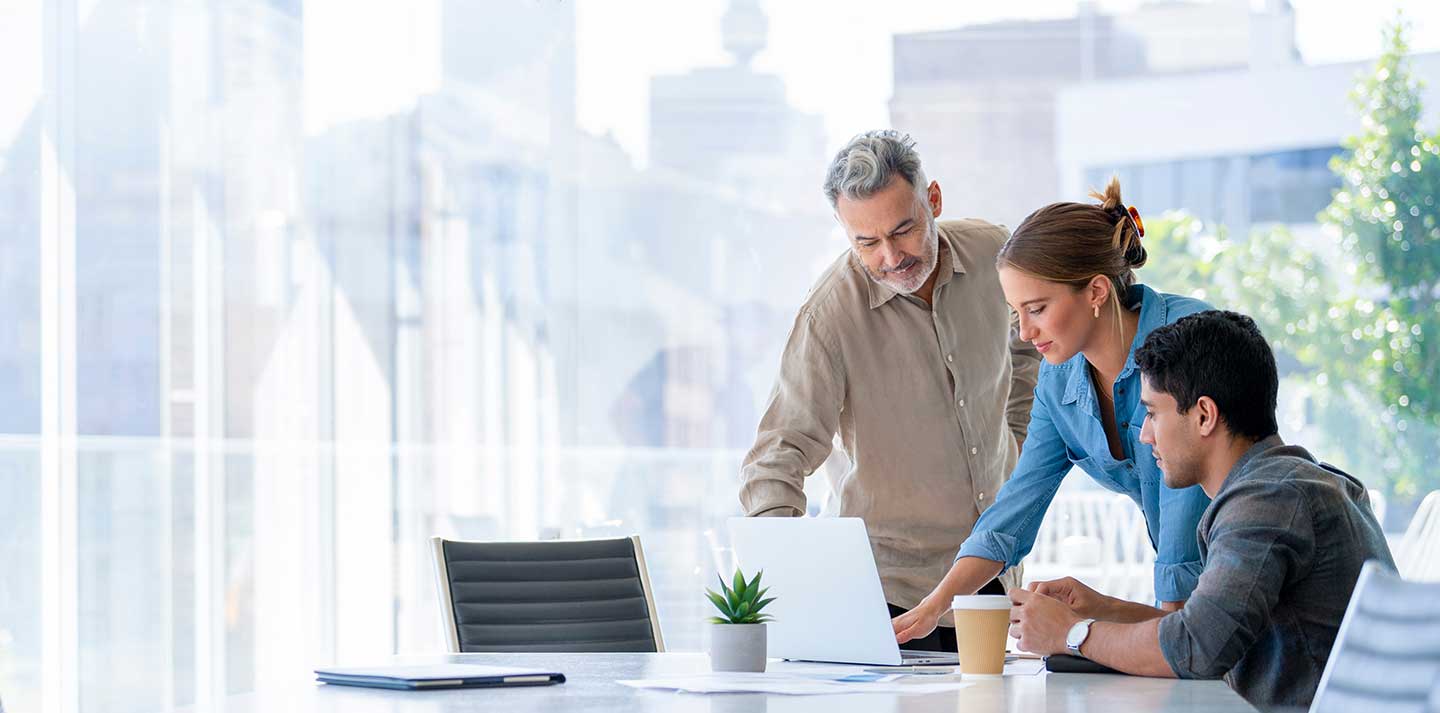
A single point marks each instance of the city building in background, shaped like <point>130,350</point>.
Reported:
<point>284,355</point>
<point>1237,147</point>
<point>260,349</point>
<point>985,101</point>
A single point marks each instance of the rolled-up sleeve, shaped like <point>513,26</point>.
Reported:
<point>1177,554</point>
<point>797,431</point>
<point>1260,538</point>
<point>1006,530</point>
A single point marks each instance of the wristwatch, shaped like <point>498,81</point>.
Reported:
<point>1077,636</point>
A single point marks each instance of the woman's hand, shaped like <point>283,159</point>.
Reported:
<point>918,622</point>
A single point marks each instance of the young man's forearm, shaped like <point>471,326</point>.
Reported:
<point>1132,648</point>
<point>1122,611</point>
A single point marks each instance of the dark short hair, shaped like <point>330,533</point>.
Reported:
<point>1218,354</point>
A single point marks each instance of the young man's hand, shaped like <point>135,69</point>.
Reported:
<point>1083,600</point>
<point>1040,623</point>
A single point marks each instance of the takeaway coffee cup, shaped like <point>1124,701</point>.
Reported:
<point>981,624</point>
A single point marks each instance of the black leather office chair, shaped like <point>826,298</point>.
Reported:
<point>554,596</point>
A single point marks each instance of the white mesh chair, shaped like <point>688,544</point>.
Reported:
<point>1098,538</point>
<point>1387,652</point>
<point>1418,556</point>
<point>1377,505</point>
<point>1071,540</point>
<point>1134,571</point>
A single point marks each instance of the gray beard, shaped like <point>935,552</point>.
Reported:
<point>931,256</point>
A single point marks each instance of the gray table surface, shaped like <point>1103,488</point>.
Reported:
<point>591,686</point>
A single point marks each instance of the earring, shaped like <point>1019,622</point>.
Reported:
<point>1097,311</point>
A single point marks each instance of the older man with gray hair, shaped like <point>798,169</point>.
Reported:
<point>906,347</point>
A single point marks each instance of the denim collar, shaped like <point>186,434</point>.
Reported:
<point>1153,313</point>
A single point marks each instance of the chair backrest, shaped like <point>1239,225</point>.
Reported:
<point>1098,537</point>
<point>1418,557</point>
<point>1387,652</point>
<point>1377,505</point>
<point>1070,515</point>
<point>1133,577</point>
<point>555,596</point>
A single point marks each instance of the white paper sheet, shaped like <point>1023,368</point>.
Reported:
<point>1024,667</point>
<point>795,684</point>
<point>1013,667</point>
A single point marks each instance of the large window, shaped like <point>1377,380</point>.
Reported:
<point>1238,192</point>
<point>290,286</point>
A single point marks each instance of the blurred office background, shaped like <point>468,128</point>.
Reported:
<point>289,286</point>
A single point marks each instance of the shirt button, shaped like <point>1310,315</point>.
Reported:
<point>973,451</point>
<point>982,496</point>
<point>949,357</point>
<point>1124,424</point>
<point>962,403</point>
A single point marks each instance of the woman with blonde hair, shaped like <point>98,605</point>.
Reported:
<point>1068,272</point>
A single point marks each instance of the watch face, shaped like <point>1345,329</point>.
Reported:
<point>1077,634</point>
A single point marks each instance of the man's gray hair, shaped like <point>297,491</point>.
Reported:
<point>869,161</point>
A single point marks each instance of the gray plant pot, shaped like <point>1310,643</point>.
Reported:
<point>737,647</point>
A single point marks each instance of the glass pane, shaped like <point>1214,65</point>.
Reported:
<point>21,601</point>
<point>124,559</point>
<point>348,276</point>
<point>22,530</point>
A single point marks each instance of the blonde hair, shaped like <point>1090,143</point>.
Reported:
<point>1072,243</point>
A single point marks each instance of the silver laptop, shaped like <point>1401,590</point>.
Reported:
<point>828,602</point>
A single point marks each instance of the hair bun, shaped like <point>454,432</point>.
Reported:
<point>1135,255</point>
<point>1110,200</point>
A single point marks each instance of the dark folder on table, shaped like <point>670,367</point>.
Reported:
<point>434,676</point>
<point>1065,663</point>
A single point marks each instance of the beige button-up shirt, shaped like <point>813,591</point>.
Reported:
<point>931,406</point>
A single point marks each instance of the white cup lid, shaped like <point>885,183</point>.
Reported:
<point>981,601</point>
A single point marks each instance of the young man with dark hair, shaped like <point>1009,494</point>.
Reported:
<point>1282,542</point>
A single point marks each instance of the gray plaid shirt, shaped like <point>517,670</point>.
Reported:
<point>1282,545</point>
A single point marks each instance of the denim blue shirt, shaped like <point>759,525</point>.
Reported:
<point>1065,429</point>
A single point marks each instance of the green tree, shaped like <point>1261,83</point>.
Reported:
<point>1271,276</point>
<point>1389,226</point>
<point>1305,305</point>
<point>1356,323</point>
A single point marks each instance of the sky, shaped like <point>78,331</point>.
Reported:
<point>834,55</point>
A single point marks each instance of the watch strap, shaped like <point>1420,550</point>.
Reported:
<point>1074,649</point>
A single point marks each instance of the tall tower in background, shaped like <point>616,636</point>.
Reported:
<point>732,125</point>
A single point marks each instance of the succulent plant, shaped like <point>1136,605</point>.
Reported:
<point>741,602</point>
